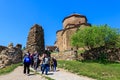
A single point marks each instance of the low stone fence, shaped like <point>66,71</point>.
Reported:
<point>100,53</point>
<point>68,55</point>
<point>112,54</point>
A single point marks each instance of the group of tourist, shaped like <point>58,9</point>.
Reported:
<point>34,60</point>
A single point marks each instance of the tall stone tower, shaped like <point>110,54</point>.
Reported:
<point>35,39</point>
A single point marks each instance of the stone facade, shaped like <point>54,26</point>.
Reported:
<point>70,25</point>
<point>35,40</point>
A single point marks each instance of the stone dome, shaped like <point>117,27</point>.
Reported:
<point>74,19</point>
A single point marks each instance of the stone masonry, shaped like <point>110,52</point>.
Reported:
<point>70,25</point>
<point>35,39</point>
<point>10,55</point>
<point>2,48</point>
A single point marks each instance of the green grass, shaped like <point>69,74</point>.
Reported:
<point>48,78</point>
<point>9,68</point>
<point>110,71</point>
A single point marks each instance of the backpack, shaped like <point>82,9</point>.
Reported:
<point>27,60</point>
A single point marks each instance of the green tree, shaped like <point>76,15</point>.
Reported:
<point>96,36</point>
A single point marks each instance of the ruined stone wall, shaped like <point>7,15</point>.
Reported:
<point>74,20</point>
<point>102,53</point>
<point>10,55</point>
<point>68,55</point>
<point>93,54</point>
<point>35,40</point>
<point>2,48</point>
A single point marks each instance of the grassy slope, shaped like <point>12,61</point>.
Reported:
<point>92,69</point>
<point>9,69</point>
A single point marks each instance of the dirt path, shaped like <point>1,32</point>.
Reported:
<point>61,74</point>
<point>64,75</point>
<point>17,74</point>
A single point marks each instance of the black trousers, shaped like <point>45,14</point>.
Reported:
<point>26,68</point>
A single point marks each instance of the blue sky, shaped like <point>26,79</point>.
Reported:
<point>18,16</point>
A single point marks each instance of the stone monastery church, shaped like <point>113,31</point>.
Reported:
<point>71,24</point>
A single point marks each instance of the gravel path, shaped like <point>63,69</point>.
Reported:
<point>17,74</point>
<point>61,74</point>
<point>64,75</point>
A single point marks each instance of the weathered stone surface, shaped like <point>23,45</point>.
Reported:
<point>10,45</point>
<point>70,25</point>
<point>51,48</point>
<point>68,55</point>
<point>74,19</point>
<point>100,53</point>
<point>35,40</point>
<point>19,46</point>
<point>9,56</point>
<point>2,48</point>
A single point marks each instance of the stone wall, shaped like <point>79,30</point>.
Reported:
<point>35,40</point>
<point>68,55</point>
<point>67,38</point>
<point>2,48</point>
<point>51,48</point>
<point>102,53</point>
<point>64,37</point>
<point>94,54</point>
<point>59,42</point>
<point>10,56</point>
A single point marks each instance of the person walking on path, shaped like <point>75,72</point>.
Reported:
<point>26,62</point>
<point>51,64</point>
<point>32,60</point>
<point>41,61</point>
<point>54,64</point>
<point>46,61</point>
<point>36,60</point>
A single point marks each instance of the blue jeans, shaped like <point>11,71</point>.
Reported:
<point>54,68</point>
<point>45,68</point>
<point>42,66</point>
